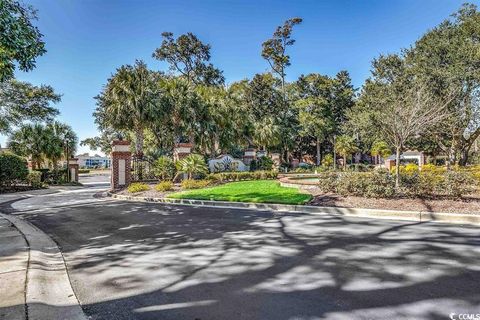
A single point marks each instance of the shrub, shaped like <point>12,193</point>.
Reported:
<point>83,171</point>
<point>328,181</point>
<point>380,184</point>
<point>376,184</point>
<point>351,183</point>
<point>34,179</point>
<point>358,167</point>
<point>457,183</point>
<point>163,186</point>
<point>58,176</point>
<point>193,165</point>
<point>242,176</point>
<point>13,169</point>
<point>137,187</point>
<point>164,167</point>
<point>327,161</point>
<point>262,163</point>
<point>195,184</point>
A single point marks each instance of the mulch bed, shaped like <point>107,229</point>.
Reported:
<point>469,204</point>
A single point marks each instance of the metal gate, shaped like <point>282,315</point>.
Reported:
<point>142,169</point>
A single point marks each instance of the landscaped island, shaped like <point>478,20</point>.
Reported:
<point>260,191</point>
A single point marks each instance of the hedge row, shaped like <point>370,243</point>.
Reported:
<point>13,170</point>
<point>242,176</point>
<point>381,184</point>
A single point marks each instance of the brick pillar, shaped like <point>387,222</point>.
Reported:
<point>182,150</point>
<point>73,169</point>
<point>276,158</point>
<point>249,155</point>
<point>389,164</point>
<point>121,164</point>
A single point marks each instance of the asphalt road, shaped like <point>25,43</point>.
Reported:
<point>152,261</point>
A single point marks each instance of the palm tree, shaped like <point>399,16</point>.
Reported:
<point>61,142</point>
<point>345,146</point>
<point>43,144</point>
<point>128,101</point>
<point>192,164</point>
<point>266,133</point>
<point>29,141</point>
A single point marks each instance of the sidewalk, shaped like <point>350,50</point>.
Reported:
<point>14,256</point>
<point>34,282</point>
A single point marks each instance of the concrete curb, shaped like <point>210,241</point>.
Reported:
<point>419,216</point>
<point>49,294</point>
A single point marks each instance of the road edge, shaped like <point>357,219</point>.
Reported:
<point>418,216</point>
<point>46,269</point>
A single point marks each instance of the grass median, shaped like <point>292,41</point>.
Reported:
<point>258,191</point>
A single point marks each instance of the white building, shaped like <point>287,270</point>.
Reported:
<point>87,161</point>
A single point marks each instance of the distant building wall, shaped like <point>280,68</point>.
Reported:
<point>87,161</point>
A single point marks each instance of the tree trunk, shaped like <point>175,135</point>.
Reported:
<point>397,167</point>
<point>139,142</point>
<point>344,163</point>
<point>334,154</point>
<point>452,157</point>
<point>318,152</point>
<point>464,156</point>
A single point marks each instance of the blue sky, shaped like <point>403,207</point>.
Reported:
<point>88,39</point>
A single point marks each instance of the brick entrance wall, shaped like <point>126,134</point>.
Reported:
<point>121,164</point>
<point>73,169</point>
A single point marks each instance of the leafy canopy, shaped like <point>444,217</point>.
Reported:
<point>20,41</point>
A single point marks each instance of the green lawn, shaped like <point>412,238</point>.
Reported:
<point>261,191</point>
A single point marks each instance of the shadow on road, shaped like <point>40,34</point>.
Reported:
<point>151,261</point>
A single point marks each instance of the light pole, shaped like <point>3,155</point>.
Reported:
<point>66,155</point>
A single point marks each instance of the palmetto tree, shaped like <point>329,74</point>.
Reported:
<point>192,164</point>
<point>266,133</point>
<point>128,101</point>
<point>43,144</point>
<point>61,142</point>
<point>345,146</point>
<point>29,141</point>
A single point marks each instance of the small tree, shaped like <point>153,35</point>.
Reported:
<point>164,167</point>
<point>345,146</point>
<point>380,148</point>
<point>407,112</point>
<point>192,165</point>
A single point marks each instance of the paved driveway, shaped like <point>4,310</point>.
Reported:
<point>151,261</point>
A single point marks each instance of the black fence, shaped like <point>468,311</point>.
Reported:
<point>142,169</point>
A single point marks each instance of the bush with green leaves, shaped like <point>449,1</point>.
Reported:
<point>376,184</point>
<point>163,186</point>
<point>262,163</point>
<point>34,179</point>
<point>381,184</point>
<point>327,161</point>
<point>164,168</point>
<point>414,183</point>
<point>13,170</point>
<point>193,165</point>
<point>138,187</point>
<point>328,181</point>
<point>457,183</point>
<point>188,184</point>
<point>242,176</point>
